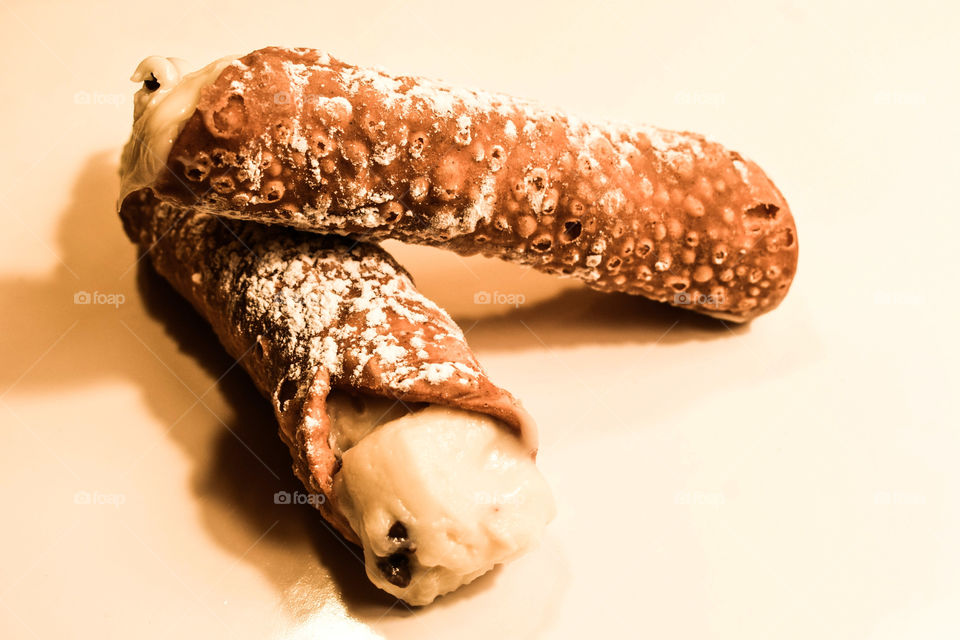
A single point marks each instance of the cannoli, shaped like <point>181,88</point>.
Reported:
<point>401,439</point>
<point>297,137</point>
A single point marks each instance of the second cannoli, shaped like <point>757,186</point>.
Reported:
<point>403,441</point>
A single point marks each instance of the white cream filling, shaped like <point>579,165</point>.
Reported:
<point>159,113</point>
<point>438,497</point>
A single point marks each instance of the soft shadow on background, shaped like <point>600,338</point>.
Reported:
<point>94,343</point>
<point>576,316</point>
<point>236,490</point>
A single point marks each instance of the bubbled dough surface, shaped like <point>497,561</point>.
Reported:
<point>301,138</point>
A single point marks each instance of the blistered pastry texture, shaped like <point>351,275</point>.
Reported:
<point>305,314</point>
<point>296,137</point>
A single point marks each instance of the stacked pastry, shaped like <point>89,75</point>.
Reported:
<point>256,186</point>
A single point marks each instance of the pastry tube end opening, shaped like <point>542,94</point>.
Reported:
<point>437,496</point>
<point>167,98</point>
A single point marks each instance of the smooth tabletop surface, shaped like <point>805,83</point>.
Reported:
<point>795,478</point>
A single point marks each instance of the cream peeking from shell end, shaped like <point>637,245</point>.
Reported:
<point>438,496</point>
<point>161,107</point>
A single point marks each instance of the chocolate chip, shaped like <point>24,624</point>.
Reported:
<point>151,84</point>
<point>396,569</point>
<point>398,532</point>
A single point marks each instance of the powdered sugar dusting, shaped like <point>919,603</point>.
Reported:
<point>742,171</point>
<point>318,303</point>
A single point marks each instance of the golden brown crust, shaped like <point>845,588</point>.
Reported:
<point>297,137</point>
<point>305,314</point>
